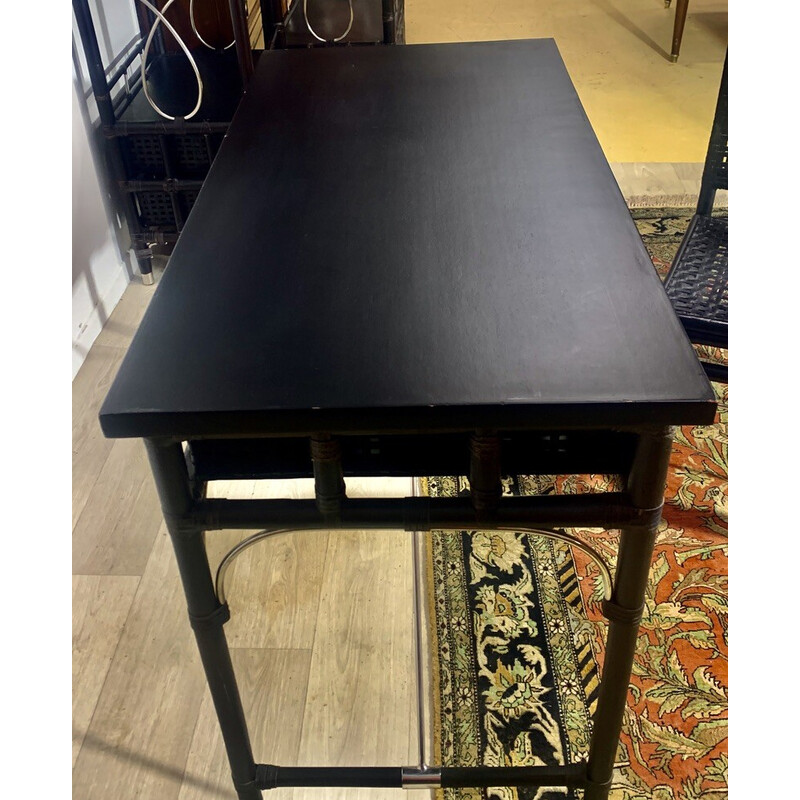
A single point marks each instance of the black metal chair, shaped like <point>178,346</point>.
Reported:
<point>697,282</point>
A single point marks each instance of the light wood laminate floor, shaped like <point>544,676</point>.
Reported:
<point>321,630</point>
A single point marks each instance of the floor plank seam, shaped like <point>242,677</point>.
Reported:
<point>238,648</point>
<point>107,575</point>
<point>110,665</point>
<point>313,645</point>
<point>91,488</point>
<point>191,739</point>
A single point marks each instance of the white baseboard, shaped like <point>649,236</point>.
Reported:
<point>94,324</point>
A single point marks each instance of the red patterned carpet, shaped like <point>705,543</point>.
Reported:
<point>674,743</point>
<point>519,635</point>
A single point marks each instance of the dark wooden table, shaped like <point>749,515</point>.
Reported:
<point>410,260</point>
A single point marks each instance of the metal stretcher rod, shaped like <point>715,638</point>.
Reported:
<point>420,626</point>
<point>421,513</point>
<point>269,776</point>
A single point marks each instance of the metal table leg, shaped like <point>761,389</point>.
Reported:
<point>206,614</point>
<point>646,487</point>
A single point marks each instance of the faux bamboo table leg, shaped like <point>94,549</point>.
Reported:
<point>206,614</point>
<point>646,487</point>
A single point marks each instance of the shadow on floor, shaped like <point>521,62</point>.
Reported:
<point>122,754</point>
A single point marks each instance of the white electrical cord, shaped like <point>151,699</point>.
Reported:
<point>159,19</point>
<point>316,35</point>
<point>197,33</point>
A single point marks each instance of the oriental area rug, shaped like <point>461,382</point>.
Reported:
<point>518,637</point>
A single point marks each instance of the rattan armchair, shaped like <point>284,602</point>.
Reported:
<point>697,282</point>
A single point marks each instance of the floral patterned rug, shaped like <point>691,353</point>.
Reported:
<point>519,636</point>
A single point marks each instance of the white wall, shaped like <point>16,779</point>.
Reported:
<point>99,271</point>
<point>102,265</point>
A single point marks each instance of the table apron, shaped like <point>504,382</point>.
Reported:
<point>606,510</point>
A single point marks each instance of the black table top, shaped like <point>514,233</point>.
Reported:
<point>417,237</point>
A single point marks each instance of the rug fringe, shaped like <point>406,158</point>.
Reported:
<point>668,201</point>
